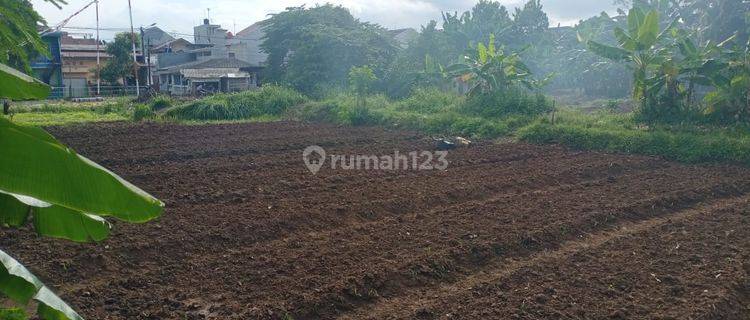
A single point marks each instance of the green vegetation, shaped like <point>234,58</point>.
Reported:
<point>46,184</point>
<point>65,118</point>
<point>429,110</point>
<point>623,134</point>
<point>313,49</point>
<point>161,102</point>
<point>121,66</point>
<point>12,314</point>
<point>143,112</point>
<point>269,100</point>
<point>64,113</point>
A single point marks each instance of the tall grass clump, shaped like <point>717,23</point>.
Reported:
<point>143,112</point>
<point>268,101</point>
<point>161,102</point>
<point>691,146</point>
<point>510,101</point>
<point>427,110</point>
<point>430,100</point>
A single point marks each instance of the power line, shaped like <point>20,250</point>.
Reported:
<point>174,33</point>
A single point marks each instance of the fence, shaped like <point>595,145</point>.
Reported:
<point>90,91</point>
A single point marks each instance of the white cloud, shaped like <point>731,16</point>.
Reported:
<point>181,15</point>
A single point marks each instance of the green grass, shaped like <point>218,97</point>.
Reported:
<point>258,119</point>
<point>427,110</point>
<point>65,118</point>
<point>269,100</point>
<point>620,133</point>
<point>12,314</point>
<point>48,113</point>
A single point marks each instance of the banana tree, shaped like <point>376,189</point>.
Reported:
<point>492,69</point>
<point>700,65</point>
<point>61,193</point>
<point>732,95</point>
<point>638,46</point>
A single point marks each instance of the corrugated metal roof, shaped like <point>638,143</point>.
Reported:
<point>222,63</point>
<point>214,73</point>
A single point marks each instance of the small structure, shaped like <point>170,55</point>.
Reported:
<point>220,75</point>
<point>211,76</point>
<point>212,64</point>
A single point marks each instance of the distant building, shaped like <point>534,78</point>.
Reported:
<point>154,36</point>
<point>246,45</point>
<point>48,69</point>
<point>211,64</point>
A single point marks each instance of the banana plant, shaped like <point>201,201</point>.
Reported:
<point>45,184</point>
<point>61,193</point>
<point>492,69</point>
<point>732,94</point>
<point>638,46</point>
<point>700,65</point>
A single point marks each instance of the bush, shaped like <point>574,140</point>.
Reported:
<point>143,112</point>
<point>508,102</point>
<point>12,314</point>
<point>688,147</point>
<point>161,102</point>
<point>430,100</point>
<point>269,100</point>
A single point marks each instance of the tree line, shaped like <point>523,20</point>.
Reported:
<point>313,49</point>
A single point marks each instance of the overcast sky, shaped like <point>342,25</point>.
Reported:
<point>180,16</point>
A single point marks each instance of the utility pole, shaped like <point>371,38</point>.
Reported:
<point>98,58</point>
<point>143,50</point>
<point>135,57</point>
<point>148,62</point>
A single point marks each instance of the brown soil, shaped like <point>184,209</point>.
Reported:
<point>508,231</point>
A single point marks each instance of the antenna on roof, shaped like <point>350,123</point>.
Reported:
<point>208,10</point>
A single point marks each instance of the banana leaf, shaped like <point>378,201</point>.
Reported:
<point>609,52</point>
<point>36,165</point>
<point>21,285</point>
<point>15,85</point>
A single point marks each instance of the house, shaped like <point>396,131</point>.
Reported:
<point>48,69</point>
<point>71,69</point>
<point>246,45</point>
<point>208,65</point>
<point>154,36</point>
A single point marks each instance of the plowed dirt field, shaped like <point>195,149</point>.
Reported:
<point>508,231</point>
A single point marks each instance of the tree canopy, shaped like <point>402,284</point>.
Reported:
<point>313,49</point>
<point>121,65</point>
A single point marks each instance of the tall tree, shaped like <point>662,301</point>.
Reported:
<point>530,21</point>
<point>120,66</point>
<point>314,49</point>
<point>486,18</point>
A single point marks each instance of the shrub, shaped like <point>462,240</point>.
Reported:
<point>161,102</point>
<point>688,147</point>
<point>143,112</point>
<point>269,100</point>
<point>12,314</point>
<point>430,100</point>
<point>501,103</point>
